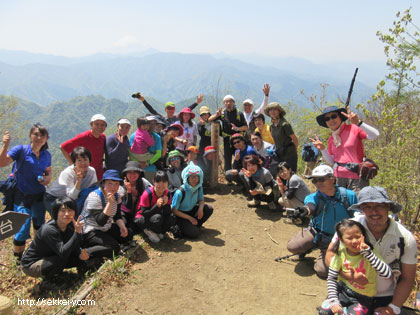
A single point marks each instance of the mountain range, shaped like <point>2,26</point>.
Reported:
<point>45,79</point>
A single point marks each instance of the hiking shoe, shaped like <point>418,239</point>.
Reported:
<point>153,237</point>
<point>268,190</point>
<point>254,203</point>
<point>272,206</point>
<point>161,236</point>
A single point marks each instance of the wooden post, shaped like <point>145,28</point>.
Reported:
<point>214,176</point>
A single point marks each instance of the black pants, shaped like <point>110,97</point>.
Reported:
<point>227,152</point>
<point>128,219</point>
<point>159,222</point>
<point>53,265</point>
<point>104,244</point>
<point>187,228</point>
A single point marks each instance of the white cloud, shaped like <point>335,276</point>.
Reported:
<point>126,41</point>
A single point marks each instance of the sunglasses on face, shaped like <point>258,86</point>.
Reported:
<point>176,158</point>
<point>319,179</point>
<point>236,142</point>
<point>333,116</point>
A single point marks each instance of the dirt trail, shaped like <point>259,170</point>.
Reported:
<point>230,269</point>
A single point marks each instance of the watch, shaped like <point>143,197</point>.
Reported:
<point>394,308</point>
<point>360,123</point>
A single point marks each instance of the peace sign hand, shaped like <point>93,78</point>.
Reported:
<point>317,143</point>
<point>354,119</point>
<point>78,226</point>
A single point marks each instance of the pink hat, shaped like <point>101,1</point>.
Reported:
<point>176,126</point>
<point>186,110</point>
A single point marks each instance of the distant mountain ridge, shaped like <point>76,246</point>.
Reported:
<point>45,79</point>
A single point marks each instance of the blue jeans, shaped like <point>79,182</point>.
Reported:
<point>36,211</point>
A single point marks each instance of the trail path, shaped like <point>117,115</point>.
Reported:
<point>230,269</point>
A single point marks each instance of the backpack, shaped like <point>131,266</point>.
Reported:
<point>308,153</point>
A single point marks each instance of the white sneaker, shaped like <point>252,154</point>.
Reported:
<point>153,237</point>
<point>161,236</point>
<point>254,203</point>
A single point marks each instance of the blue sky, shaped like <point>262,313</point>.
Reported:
<point>316,30</point>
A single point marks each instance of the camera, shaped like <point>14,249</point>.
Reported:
<point>291,212</point>
<point>136,95</point>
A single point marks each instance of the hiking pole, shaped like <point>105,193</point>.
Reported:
<point>351,87</point>
<point>291,255</point>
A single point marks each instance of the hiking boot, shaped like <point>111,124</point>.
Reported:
<point>153,237</point>
<point>268,190</point>
<point>254,203</point>
<point>272,206</point>
<point>176,231</point>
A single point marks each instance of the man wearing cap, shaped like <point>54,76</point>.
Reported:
<point>233,121</point>
<point>249,112</point>
<point>395,244</point>
<point>169,108</point>
<point>117,146</point>
<point>326,207</point>
<point>93,140</point>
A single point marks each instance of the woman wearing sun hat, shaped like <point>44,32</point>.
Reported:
<point>285,140</point>
<point>345,144</point>
<point>189,137</point>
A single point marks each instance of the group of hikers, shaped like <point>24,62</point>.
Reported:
<point>153,182</point>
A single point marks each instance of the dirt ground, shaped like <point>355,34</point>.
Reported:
<point>230,269</point>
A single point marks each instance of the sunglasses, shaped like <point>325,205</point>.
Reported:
<point>333,116</point>
<point>176,158</point>
<point>236,142</point>
<point>319,179</point>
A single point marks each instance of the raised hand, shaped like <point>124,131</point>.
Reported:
<point>219,112</point>
<point>317,143</point>
<point>160,202</point>
<point>78,226</point>
<point>110,197</point>
<point>165,199</point>
<point>200,98</point>
<point>354,119</point>
<point>127,186</point>
<point>6,137</point>
<point>266,89</point>
<point>120,138</point>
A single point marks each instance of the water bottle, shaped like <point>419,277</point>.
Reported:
<point>40,178</point>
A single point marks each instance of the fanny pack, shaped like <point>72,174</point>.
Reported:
<point>366,170</point>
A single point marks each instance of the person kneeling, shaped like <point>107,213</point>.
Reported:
<point>154,214</point>
<point>188,202</point>
<point>56,245</point>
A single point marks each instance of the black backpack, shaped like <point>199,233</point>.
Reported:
<point>308,153</point>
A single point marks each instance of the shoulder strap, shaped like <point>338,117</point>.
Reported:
<point>344,198</point>
<point>150,195</point>
<point>401,246</point>
<point>183,193</point>
<point>101,195</point>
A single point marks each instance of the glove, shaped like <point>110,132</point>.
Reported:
<point>302,212</point>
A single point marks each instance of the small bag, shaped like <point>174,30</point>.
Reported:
<point>368,169</point>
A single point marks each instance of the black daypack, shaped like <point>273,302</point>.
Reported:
<point>308,153</point>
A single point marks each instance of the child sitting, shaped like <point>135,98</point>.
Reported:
<point>354,254</point>
<point>142,141</point>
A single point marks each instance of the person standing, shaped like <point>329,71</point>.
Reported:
<point>117,147</point>
<point>93,140</point>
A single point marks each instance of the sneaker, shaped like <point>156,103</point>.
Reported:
<point>161,236</point>
<point>254,203</point>
<point>153,237</point>
<point>268,190</point>
<point>272,206</point>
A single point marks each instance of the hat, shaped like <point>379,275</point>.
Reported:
<point>209,149</point>
<point>248,101</point>
<point>160,122</point>
<point>255,115</point>
<point>320,118</point>
<point>229,97</point>
<point>193,149</point>
<point>111,174</point>
<point>186,110</point>
<point>132,166</point>
<point>237,136</point>
<point>321,171</point>
<point>169,104</point>
<point>172,154</point>
<point>276,106</point>
<point>204,110</point>
<point>175,126</point>
<point>98,117</point>
<point>375,194</point>
<point>150,118</point>
<point>123,121</point>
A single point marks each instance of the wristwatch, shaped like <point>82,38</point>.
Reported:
<point>394,308</point>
